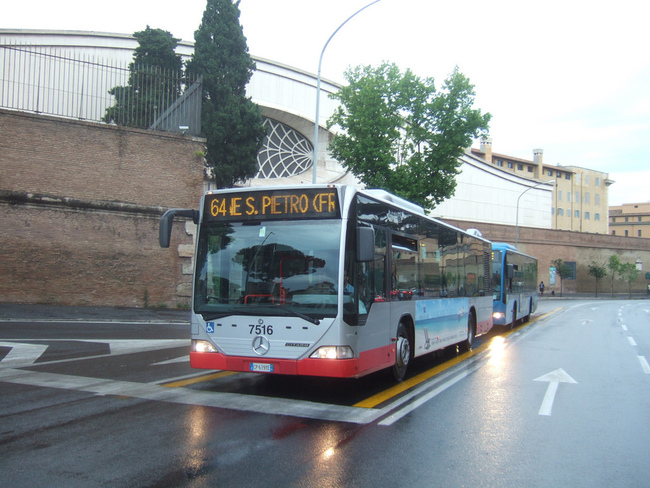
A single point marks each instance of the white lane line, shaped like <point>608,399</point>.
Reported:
<point>187,396</point>
<point>632,341</point>
<point>644,364</point>
<point>402,412</point>
<point>624,327</point>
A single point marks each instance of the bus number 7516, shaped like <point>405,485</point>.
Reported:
<point>261,329</point>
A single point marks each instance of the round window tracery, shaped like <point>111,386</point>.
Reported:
<point>285,153</point>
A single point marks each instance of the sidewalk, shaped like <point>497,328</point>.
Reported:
<point>11,312</point>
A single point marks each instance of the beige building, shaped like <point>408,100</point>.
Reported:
<point>630,220</point>
<point>580,195</point>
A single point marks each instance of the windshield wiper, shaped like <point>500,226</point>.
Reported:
<point>214,316</point>
<point>301,315</point>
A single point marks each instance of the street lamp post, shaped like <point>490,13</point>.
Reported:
<point>552,182</point>
<point>320,62</point>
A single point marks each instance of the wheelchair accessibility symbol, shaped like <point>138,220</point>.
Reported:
<point>209,327</point>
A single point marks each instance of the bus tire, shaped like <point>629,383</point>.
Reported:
<point>468,343</point>
<point>402,352</point>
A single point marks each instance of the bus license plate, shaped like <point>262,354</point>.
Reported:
<point>261,368</point>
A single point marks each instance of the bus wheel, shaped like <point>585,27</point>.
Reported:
<point>402,352</point>
<point>468,343</point>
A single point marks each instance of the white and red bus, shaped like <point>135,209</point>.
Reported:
<point>329,281</point>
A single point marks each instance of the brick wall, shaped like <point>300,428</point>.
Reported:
<point>80,206</point>
<point>547,245</point>
<point>88,257</point>
<point>85,160</point>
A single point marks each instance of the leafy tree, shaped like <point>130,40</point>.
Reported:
<point>402,135</point>
<point>628,272</point>
<point>154,83</point>
<point>231,122</point>
<point>598,271</point>
<point>562,270</point>
<point>614,265</point>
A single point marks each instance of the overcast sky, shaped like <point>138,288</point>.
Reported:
<point>570,77</point>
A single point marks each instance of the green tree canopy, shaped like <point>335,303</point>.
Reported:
<point>598,271</point>
<point>402,135</point>
<point>231,122</point>
<point>629,273</point>
<point>155,77</point>
<point>614,265</point>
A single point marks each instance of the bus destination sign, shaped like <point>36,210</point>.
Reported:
<point>299,204</point>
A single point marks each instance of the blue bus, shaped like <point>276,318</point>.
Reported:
<point>514,285</point>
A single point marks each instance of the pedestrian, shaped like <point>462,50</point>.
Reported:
<point>541,287</point>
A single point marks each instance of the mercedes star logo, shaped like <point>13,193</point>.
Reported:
<point>261,345</point>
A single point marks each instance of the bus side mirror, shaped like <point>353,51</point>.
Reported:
<point>165,230</point>
<point>510,270</point>
<point>365,244</point>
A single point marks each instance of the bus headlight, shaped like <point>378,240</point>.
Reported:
<point>498,315</point>
<point>333,352</point>
<point>203,346</point>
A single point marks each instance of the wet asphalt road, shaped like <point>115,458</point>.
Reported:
<point>560,402</point>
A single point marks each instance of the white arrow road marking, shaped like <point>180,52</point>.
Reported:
<point>554,378</point>
<point>21,354</point>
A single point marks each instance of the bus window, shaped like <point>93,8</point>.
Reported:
<point>404,271</point>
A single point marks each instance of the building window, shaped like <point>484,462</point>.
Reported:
<point>568,196</point>
<point>597,217</point>
<point>560,211</point>
<point>558,175</point>
<point>586,179</point>
<point>627,233</point>
<point>559,195</point>
<point>597,181</point>
<point>577,200</point>
<point>285,152</point>
<point>552,210</point>
<point>597,200</point>
<point>520,167</point>
<point>587,198</point>
<point>639,218</point>
<point>530,169</point>
<point>626,219</point>
<point>613,232</point>
<point>567,176</point>
<point>550,172</point>
<point>587,215</point>
<point>499,163</point>
<point>577,214</point>
<point>639,233</point>
<point>510,165</point>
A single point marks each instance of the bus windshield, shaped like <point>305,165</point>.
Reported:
<point>271,268</point>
